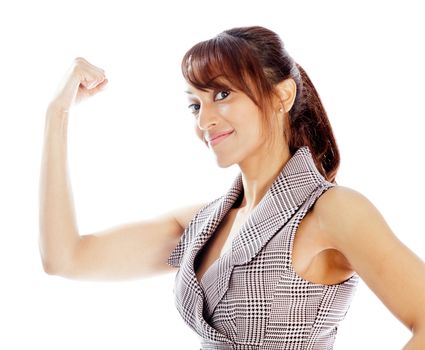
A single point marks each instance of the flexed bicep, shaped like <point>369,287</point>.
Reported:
<point>130,250</point>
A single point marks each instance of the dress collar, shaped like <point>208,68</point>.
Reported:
<point>298,178</point>
<point>297,181</point>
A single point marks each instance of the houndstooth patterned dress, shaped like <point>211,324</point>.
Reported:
<point>251,297</point>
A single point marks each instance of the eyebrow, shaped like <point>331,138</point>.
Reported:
<point>218,77</point>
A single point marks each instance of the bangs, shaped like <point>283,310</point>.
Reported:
<point>236,60</point>
<point>224,62</point>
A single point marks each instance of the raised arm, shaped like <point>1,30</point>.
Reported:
<point>124,251</point>
<point>393,272</point>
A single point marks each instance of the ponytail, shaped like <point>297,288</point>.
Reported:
<point>254,60</point>
<point>309,126</point>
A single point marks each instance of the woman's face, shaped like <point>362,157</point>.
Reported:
<point>229,123</point>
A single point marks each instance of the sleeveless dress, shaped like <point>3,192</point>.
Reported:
<point>251,297</point>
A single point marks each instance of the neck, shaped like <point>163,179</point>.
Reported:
<point>259,172</point>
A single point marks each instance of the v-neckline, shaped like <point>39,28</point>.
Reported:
<point>296,181</point>
<point>197,299</point>
<point>226,252</point>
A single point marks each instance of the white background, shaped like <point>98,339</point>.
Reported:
<point>133,153</point>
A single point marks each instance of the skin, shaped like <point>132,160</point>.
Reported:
<point>342,233</point>
<point>245,146</point>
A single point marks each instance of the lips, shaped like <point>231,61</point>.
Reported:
<point>212,137</point>
<point>215,139</point>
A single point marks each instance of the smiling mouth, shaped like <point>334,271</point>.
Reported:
<point>216,140</point>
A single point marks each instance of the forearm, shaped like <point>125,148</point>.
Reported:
<point>58,228</point>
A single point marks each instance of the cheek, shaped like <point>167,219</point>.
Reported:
<point>256,132</point>
<point>224,110</point>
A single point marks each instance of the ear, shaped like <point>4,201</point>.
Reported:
<point>287,90</point>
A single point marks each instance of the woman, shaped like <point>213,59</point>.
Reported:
<point>274,262</point>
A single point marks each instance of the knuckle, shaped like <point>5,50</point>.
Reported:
<point>79,60</point>
<point>77,66</point>
<point>87,73</point>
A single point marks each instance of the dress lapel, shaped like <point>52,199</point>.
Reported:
<point>298,179</point>
<point>204,224</point>
<point>190,298</point>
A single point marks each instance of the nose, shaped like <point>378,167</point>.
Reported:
<point>207,118</point>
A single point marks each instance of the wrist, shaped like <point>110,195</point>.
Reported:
<point>57,111</point>
<point>56,116</point>
<point>57,107</point>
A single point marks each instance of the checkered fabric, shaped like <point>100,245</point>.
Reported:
<point>251,297</point>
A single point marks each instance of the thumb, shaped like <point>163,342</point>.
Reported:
<point>90,89</point>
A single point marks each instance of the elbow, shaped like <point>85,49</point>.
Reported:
<point>50,268</point>
<point>59,269</point>
<point>57,260</point>
<point>55,266</point>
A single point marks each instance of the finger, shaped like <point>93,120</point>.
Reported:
<point>89,75</point>
<point>90,82</point>
<point>98,87</point>
<point>103,84</point>
<point>84,62</point>
<point>94,90</point>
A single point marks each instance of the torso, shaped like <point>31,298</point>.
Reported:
<point>220,242</point>
<point>312,258</point>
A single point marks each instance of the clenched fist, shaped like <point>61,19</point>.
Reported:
<point>83,80</point>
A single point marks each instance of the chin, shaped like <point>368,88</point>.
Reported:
<point>224,163</point>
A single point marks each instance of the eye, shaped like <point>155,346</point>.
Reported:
<point>221,95</point>
<point>194,108</point>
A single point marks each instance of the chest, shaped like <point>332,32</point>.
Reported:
<point>251,302</point>
<point>306,244</point>
<point>220,241</point>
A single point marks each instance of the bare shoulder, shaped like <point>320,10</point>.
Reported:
<point>340,199</point>
<point>341,195</point>
<point>353,226</point>
<point>342,212</point>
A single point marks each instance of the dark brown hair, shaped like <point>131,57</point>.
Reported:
<point>253,60</point>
